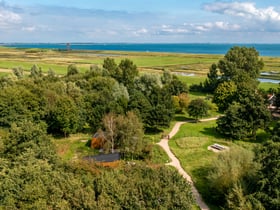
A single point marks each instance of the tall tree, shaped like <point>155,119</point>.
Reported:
<point>72,69</point>
<point>268,191</point>
<point>124,132</point>
<point>129,72</point>
<point>212,81</point>
<point>198,108</point>
<point>225,94</point>
<point>276,132</point>
<point>240,59</point>
<point>243,119</point>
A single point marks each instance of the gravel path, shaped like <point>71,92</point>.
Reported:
<point>176,163</point>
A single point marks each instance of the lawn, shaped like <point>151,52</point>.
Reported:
<point>190,146</point>
<point>73,147</point>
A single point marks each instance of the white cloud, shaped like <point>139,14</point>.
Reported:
<point>141,31</point>
<point>176,30</point>
<point>8,18</point>
<point>210,26</point>
<point>246,10</point>
<point>29,28</point>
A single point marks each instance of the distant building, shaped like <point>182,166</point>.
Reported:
<point>68,46</point>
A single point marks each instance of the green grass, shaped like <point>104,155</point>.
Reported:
<point>159,156</point>
<point>73,147</point>
<point>268,85</point>
<point>190,80</point>
<point>190,146</point>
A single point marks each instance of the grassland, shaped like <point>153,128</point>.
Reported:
<point>59,60</point>
<point>179,64</point>
<point>190,146</point>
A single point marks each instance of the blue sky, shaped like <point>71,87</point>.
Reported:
<point>141,21</point>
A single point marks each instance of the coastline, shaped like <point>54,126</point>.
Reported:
<point>271,50</point>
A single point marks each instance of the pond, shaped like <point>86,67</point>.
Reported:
<point>274,81</point>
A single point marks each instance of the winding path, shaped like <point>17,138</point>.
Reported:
<point>176,163</point>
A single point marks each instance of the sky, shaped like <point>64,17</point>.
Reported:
<point>140,21</point>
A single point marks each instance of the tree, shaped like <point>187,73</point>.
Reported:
<point>130,134</point>
<point>212,81</point>
<point>114,71</point>
<point>240,59</point>
<point>243,119</point>
<point>72,70</point>
<point>157,99</point>
<point>18,71</point>
<point>110,132</point>
<point>124,132</point>
<point>228,172</point>
<point>180,102</point>
<point>32,177</point>
<point>276,132</point>
<point>129,72</point>
<point>27,135</point>
<point>232,124</point>
<point>62,115</point>
<point>198,108</point>
<point>237,199</point>
<point>225,94</point>
<point>268,187</point>
<point>176,87</point>
<point>160,188</point>
<point>139,104</point>
<point>35,72</point>
<point>277,96</point>
<point>240,65</point>
<point>18,103</point>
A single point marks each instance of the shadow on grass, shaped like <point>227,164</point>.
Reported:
<point>182,118</point>
<point>152,131</point>
<point>211,132</point>
<point>262,137</point>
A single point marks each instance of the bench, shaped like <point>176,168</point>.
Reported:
<point>218,147</point>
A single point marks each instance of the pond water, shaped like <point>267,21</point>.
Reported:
<point>275,81</point>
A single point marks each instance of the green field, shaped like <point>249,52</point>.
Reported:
<point>190,146</point>
<point>59,60</point>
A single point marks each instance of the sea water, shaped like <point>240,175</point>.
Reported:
<point>272,50</point>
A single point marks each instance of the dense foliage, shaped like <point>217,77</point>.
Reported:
<point>233,82</point>
<point>238,179</point>
<point>198,108</point>
<point>32,177</point>
<point>78,102</point>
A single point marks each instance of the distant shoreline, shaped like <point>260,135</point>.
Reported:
<point>272,50</point>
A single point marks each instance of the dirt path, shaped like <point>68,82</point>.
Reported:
<point>176,163</point>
